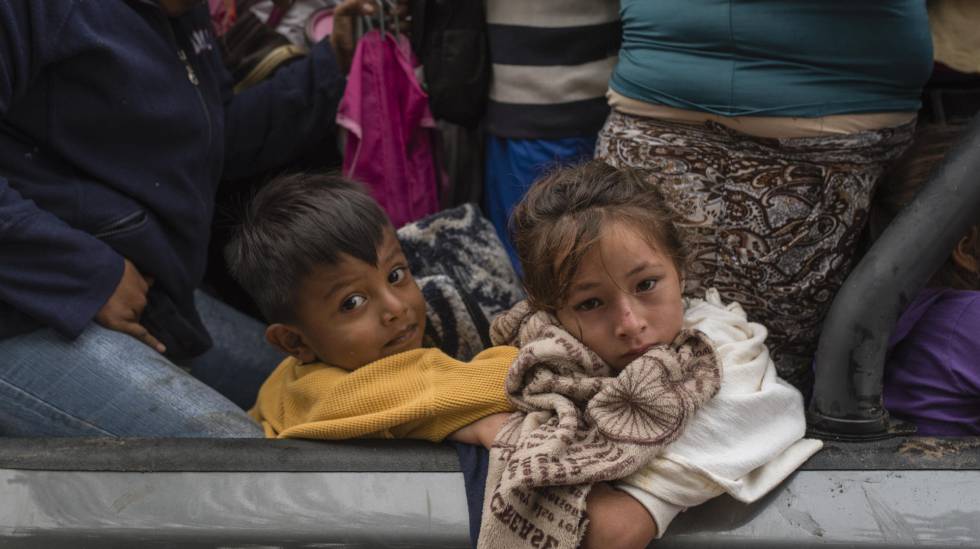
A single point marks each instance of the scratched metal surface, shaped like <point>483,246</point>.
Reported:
<point>162,455</point>
<point>851,508</point>
<point>228,455</point>
<point>55,509</point>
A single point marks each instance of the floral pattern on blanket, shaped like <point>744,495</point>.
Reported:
<point>465,275</point>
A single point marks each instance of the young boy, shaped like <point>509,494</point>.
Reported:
<point>323,264</point>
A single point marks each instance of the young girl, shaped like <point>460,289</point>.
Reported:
<point>612,357</point>
<point>932,373</point>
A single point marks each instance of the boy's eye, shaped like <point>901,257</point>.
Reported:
<point>397,275</point>
<point>588,304</point>
<point>352,302</point>
<point>646,285</point>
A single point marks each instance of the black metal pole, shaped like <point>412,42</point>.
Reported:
<point>851,353</point>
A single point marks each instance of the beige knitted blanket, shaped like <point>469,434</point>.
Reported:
<point>578,423</point>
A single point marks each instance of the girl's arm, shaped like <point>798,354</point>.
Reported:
<point>616,519</point>
<point>482,431</point>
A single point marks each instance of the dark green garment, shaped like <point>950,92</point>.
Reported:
<point>775,58</point>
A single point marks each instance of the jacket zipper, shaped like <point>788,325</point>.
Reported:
<point>192,76</point>
<point>195,81</point>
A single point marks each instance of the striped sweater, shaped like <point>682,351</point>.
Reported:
<point>551,65</point>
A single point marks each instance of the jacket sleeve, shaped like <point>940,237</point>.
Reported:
<point>275,121</point>
<point>49,271</point>
<point>55,274</point>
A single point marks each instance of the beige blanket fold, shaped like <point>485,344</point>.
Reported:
<point>579,422</point>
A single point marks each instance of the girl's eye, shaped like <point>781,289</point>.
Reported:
<point>646,285</point>
<point>397,275</point>
<point>352,302</point>
<point>588,304</point>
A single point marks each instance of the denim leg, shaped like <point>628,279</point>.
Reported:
<point>512,165</point>
<point>106,383</point>
<point>241,359</point>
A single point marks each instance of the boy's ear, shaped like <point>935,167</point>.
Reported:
<point>289,340</point>
<point>964,254</point>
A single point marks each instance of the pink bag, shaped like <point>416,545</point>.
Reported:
<point>390,128</point>
<point>223,15</point>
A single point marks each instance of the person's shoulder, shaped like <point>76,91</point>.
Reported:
<point>962,309</point>
<point>41,16</point>
<point>956,307</point>
<point>950,328</point>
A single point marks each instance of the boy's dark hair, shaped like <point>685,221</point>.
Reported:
<point>295,223</point>
<point>562,217</point>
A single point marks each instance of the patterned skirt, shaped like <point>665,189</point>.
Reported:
<point>771,223</point>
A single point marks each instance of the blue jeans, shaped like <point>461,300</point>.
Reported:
<point>106,383</point>
<point>512,165</point>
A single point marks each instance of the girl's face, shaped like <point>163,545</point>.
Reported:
<point>625,297</point>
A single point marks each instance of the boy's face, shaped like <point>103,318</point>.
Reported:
<point>353,313</point>
<point>625,298</point>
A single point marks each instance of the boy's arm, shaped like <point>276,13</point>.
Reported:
<point>616,520</point>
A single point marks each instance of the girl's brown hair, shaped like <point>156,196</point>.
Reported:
<point>903,181</point>
<point>562,217</point>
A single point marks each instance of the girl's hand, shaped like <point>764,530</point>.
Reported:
<point>482,431</point>
<point>616,520</point>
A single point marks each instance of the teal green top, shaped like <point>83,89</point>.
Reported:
<point>775,57</point>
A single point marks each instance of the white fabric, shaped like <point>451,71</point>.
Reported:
<point>744,441</point>
<point>293,24</point>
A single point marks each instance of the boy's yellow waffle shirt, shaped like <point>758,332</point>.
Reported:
<point>423,394</point>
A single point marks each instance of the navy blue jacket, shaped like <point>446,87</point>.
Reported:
<point>116,124</point>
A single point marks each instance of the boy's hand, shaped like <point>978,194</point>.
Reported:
<point>482,431</point>
<point>122,310</point>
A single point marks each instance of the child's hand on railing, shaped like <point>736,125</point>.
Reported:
<point>482,431</point>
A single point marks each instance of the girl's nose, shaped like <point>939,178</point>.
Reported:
<point>630,324</point>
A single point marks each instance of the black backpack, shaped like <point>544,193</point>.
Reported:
<point>450,39</point>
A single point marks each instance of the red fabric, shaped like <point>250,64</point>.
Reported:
<point>390,128</point>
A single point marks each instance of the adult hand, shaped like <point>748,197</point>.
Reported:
<point>342,37</point>
<point>122,310</point>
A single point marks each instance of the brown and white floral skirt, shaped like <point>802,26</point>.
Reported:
<point>771,223</point>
